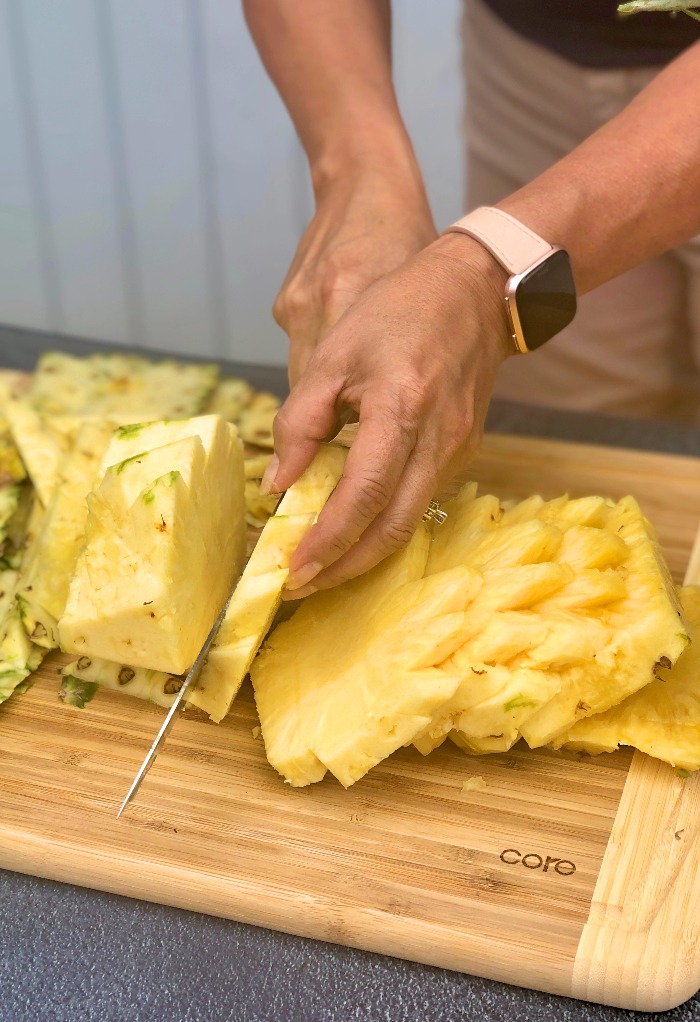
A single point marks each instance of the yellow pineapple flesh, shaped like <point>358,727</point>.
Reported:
<point>259,592</point>
<point>343,706</point>
<point>574,611</point>
<point>663,718</point>
<point>165,540</point>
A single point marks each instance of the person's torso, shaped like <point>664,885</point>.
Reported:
<point>591,33</point>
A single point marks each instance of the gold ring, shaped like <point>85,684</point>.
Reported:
<point>434,513</point>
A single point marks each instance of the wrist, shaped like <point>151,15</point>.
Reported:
<point>369,146</point>
<point>478,277</point>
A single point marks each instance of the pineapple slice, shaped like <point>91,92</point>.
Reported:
<point>122,388</point>
<point>40,449</point>
<point>347,711</point>
<point>644,628</point>
<point>255,423</point>
<point>663,718</point>
<point>574,611</point>
<point>12,469</point>
<point>258,594</point>
<point>45,578</point>
<point>229,399</point>
<point>165,540</point>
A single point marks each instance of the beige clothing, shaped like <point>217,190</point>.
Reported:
<point>634,347</point>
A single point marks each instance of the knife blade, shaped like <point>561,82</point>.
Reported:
<point>188,684</point>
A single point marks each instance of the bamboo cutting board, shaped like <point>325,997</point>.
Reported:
<point>565,873</point>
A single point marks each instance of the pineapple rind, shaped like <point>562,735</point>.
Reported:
<point>121,388</point>
<point>153,686</point>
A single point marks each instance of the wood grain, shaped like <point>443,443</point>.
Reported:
<point>406,862</point>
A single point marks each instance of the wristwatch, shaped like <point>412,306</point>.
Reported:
<point>540,292</point>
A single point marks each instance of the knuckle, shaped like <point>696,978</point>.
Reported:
<point>396,533</point>
<point>372,494</point>
<point>293,305</point>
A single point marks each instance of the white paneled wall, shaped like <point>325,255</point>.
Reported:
<point>151,188</point>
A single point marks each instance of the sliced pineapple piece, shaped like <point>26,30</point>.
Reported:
<point>44,581</point>
<point>347,711</point>
<point>12,469</point>
<point>165,540</point>
<point>255,423</point>
<point>40,449</point>
<point>259,592</point>
<point>258,507</point>
<point>663,718</point>
<point>230,398</point>
<point>644,625</point>
<point>154,686</point>
<point>574,611</point>
<point>121,388</point>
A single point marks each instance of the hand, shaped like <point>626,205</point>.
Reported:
<point>367,223</point>
<point>415,357</point>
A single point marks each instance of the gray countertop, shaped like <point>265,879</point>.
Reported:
<point>69,954</point>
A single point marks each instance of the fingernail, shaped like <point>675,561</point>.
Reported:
<point>267,483</point>
<point>302,576</point>
<point>298,594</point>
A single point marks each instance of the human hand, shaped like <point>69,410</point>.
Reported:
<point>415,356</point>
<point>367,223</point>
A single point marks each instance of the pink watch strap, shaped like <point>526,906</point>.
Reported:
<point>514,245</point>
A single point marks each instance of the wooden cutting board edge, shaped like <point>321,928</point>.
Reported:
<point>640,947</point>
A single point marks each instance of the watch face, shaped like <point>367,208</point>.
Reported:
<point>546,299</point>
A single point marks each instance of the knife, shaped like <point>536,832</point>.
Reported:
<point>189,683</point>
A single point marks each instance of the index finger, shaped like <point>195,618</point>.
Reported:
<point>373,468</point>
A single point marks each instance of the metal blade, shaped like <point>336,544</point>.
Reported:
<point>189,683</point>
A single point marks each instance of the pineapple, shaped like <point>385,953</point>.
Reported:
<point>51,559</point>
<point>165,540</point>
<point>663,718</point>
<point>255,423</point>
<point>153,686</point>
<point>574,611</point>
<point>122,388</point>
<point>258,594</point>
<point>40,449</point>
<point>229,399</point>
<point>344,706</point>
<point>12,469</point>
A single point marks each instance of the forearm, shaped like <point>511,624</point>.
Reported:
<point>331,63</point>
<point>631,190</point>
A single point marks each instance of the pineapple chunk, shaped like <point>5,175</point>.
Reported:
<point>40,449</point>
<point>165,540</point>
<point>663,718</point>
<point>43,585</point>
<point>259,592</point>
<point>122,388</point>
<point>229,399</point>
<point>255,423</point>
<point>347,711</point>
<point>573,613</point>
<point>644,626</point>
